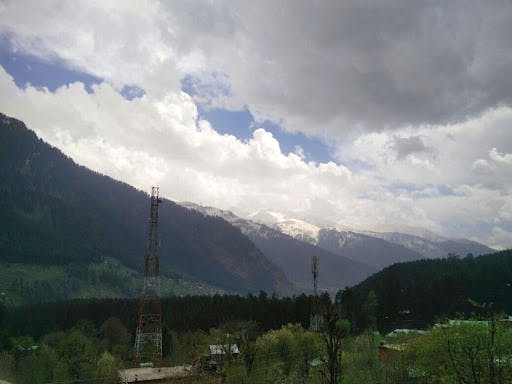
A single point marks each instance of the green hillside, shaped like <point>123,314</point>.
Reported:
<point>28,283</point>
<point>415,294</point>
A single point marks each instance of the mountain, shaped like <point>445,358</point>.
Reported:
<point>372,251</point>
<point>55,213</point>
<point>415,294</point>
<point>433,246</point>
<point>377,249</point>
<point>294,256</point>
<point>299,230</point>
<point>375,252</point>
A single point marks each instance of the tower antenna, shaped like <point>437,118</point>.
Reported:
<point>148,336</point>
<point>314,272</point>
<point>315,317</point>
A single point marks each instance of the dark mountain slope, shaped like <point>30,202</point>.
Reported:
<point>434,246</point>
<point>372,251</point>
<point>56,212</point>
<point>294,256</point>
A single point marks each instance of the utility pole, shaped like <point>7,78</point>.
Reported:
<point>314,272</point>
<point>315,316</point>
<point>148,336</point>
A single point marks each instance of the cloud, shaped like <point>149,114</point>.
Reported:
<point>505,158</point>
<point>321,69</point>
<point>454,154</point>
<point>482,166</point>
<point>124,43</point>
<point>405,146</point>
<point>500,238</point>
<point>413,97</point>
<point>147,141</point>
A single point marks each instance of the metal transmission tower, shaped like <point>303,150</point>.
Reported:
<point>148,337</point>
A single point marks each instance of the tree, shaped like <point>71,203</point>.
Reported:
<point>106,370</point>
<point>80,352</point>
<point>115,338</point>
<point>370,311</point>
<point>246,334</point>
<point>307,349</point>
<point>333,330</point>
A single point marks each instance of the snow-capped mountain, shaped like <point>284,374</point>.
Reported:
<point>424,243</point>
<point>266,217</point>
<point>299,229</point>
<point>434,246</point>
<point>346,256</point>
<point>293,256</point>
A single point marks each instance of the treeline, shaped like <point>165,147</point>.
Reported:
<point>454,352</point>
<point>179,313</point>
<point>416,294</point>
<point>407,295</point>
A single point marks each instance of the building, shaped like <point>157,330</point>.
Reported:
<point>214,362</point>
<point>218,349</point>
<point>388,351</point>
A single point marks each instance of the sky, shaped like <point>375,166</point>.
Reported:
<point>375,115</point>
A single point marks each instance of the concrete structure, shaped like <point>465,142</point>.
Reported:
<point>153,375</point>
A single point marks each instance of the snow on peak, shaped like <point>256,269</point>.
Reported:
<point>299,225</point>
<point>299,229</point>
<point>266,217</point>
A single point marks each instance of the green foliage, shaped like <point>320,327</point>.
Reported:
<point>115,338</point>
<point>189,346</point>
<point>106,370</point>
<point>360,360</point>
<point>466,352</point>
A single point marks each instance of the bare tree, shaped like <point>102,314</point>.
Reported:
<point>333,330</point>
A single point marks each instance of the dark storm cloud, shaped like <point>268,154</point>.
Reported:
<point>405,146</point>
<point>330,66</point>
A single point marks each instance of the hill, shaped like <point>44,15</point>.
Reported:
<point>57,213</point>
<point>415,294</point>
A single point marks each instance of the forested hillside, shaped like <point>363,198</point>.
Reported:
<point>415,294</point>
<point>55,213</point>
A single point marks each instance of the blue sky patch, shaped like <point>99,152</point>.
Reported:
<point>55,73</point>
<point>131,92</point>
<point>40,73</point>
<point>241,123</point>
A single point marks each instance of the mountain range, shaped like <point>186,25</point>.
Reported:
<point>421,243</point>
<point>294,256</point>
<point>67,231</point>
<point>345,257</point>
